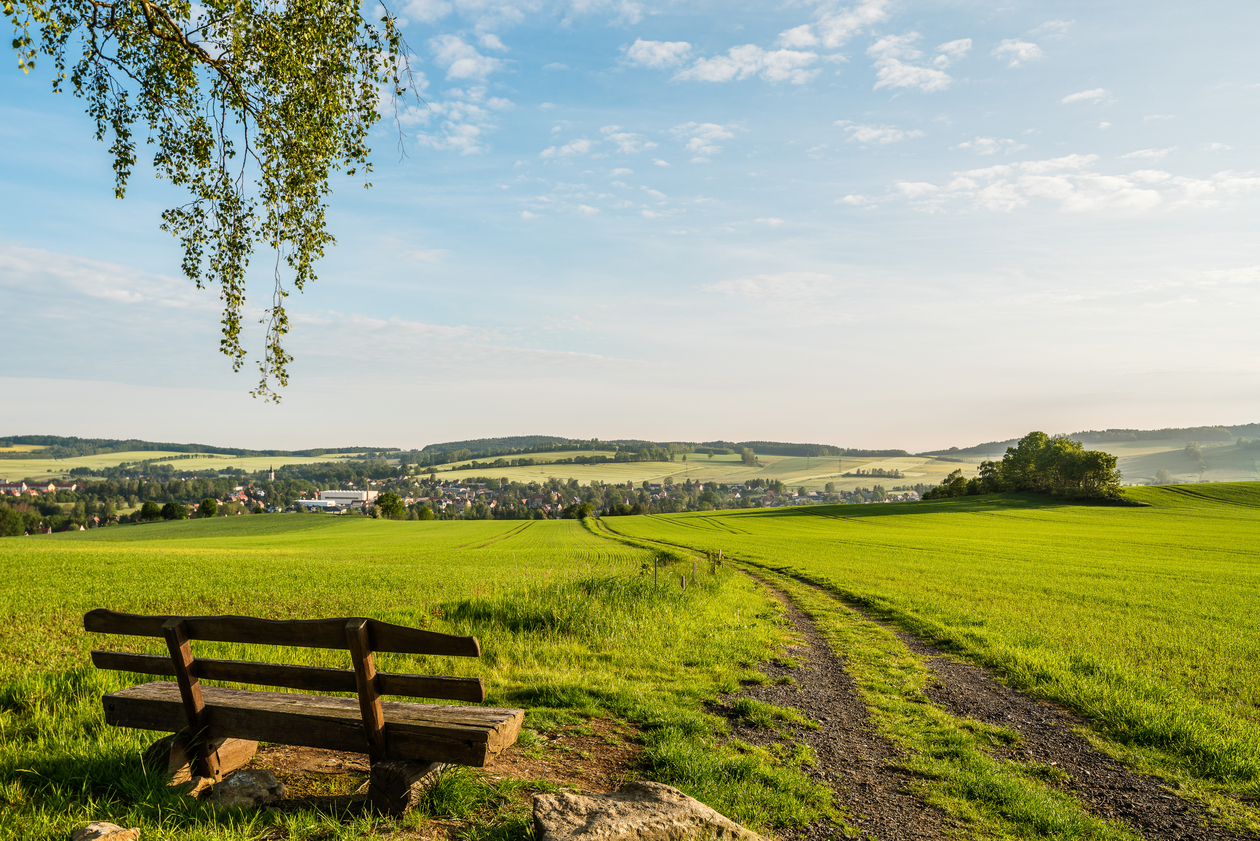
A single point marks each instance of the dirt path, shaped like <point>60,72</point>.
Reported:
<point>855,761</point>
<point>852,758</point>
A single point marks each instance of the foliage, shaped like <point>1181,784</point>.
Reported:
<point>208,507</point>
<point>174,511</point>
<point>250,105</point>
<point>1041,463</point>
<point>390,506</point>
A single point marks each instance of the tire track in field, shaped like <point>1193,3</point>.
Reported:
<point>498,538</point>
<point>1050,736</point>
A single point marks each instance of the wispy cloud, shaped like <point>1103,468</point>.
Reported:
<point>750,60</point>
<point>991,145</point>
<point>657,54</point>
<point>1095,95</point>
<point>794,286</point>
<point>876,134</point>
<point>895,57</point>
<point>1150,154</point>
<point>461,59</point>
<point>701,138</point>
<point>1018,53</point>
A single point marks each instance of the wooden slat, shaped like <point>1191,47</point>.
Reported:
<point>365,685</point>
<point>306,633</point>
<point>463,735</point>
<point>205,764</point>
<point>309,678</point>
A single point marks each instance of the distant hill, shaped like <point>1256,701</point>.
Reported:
<point>56,446</point>
<point>1201,434</point>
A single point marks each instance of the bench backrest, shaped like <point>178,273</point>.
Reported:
<point>311,633</point>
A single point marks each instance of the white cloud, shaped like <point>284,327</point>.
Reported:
<point>525,214</point>
<point>877,134</point>
<point>1095,95</point>
<point>798,36</point>
<point>575,147</point>
<point>893,55</point>
<point>621,171</point>
<point>627,143</point>
<point>772,221</point>
<point>464,120</point>
<point>837,24</point>
<point>1053,28</point>
<point>1104,125</point>
<point>555,65</point>
<point>461,60</point>
<point>750,60</point>
<point>587,210</point>
<point>649,214</point>
<point>1157,118</point>
<point>1217,147</point>
<point>1017,52</point>
<point>701,138</point>
<point>1150,154</point>
<point>787,285</point>
<point>991,145</point>
<point>425,11</point>
<point>660,162</point>
<point>492,42</point>
<point>1073,184</point>
<point>952,51</point>
<point>657,54</point>
<point>855,200</point>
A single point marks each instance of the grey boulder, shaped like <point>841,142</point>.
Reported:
<point>643,811</point>
<point>105,831</point>
<point>248,788</point>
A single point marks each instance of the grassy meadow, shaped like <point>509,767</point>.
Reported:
<point>570,624</point>
<point>1145,620</point>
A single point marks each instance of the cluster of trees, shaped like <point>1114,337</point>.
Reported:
<point>1041,463</point>
<point>878,473</point>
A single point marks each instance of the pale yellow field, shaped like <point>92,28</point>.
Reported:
<point>794,471</point>
<point>20,448</point>
<point>43,468</point>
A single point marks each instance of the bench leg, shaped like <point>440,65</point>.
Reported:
<point>226,756</point>
<point>397,785</point>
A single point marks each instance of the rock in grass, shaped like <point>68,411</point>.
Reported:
<point>642,811</point>
<point>248,788</point>
<point>105,831</point>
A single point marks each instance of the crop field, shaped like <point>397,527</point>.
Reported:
<point>570,626</point>
<point>812,473</point>
<point>15,469</point>
<point>1145,620</point>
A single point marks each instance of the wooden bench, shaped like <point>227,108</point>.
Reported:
<point>219,728</point>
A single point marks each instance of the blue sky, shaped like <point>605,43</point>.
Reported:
<point>864,223</point>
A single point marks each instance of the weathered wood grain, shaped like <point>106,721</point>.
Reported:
<point>365,683</point>
<point>309,678</point>
<point>304,633</point>
<point>433,732</point>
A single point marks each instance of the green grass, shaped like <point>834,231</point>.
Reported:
<point>570,627</point>
<point>1146,620</point>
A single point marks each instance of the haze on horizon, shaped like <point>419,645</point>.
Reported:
<point>869,224</point>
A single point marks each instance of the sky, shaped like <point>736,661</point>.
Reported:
<point>867,224</point>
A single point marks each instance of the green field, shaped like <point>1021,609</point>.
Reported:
<point>570,626</point>
<point>794,471</point>
<point>17,469</point>
<point>1143,619</point>
<point>1146,620</point>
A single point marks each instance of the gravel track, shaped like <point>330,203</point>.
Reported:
<point>858,763</point>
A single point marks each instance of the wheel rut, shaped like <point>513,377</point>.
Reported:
<point>860,765</point>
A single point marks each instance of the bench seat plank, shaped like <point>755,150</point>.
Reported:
<point>434,732</point>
